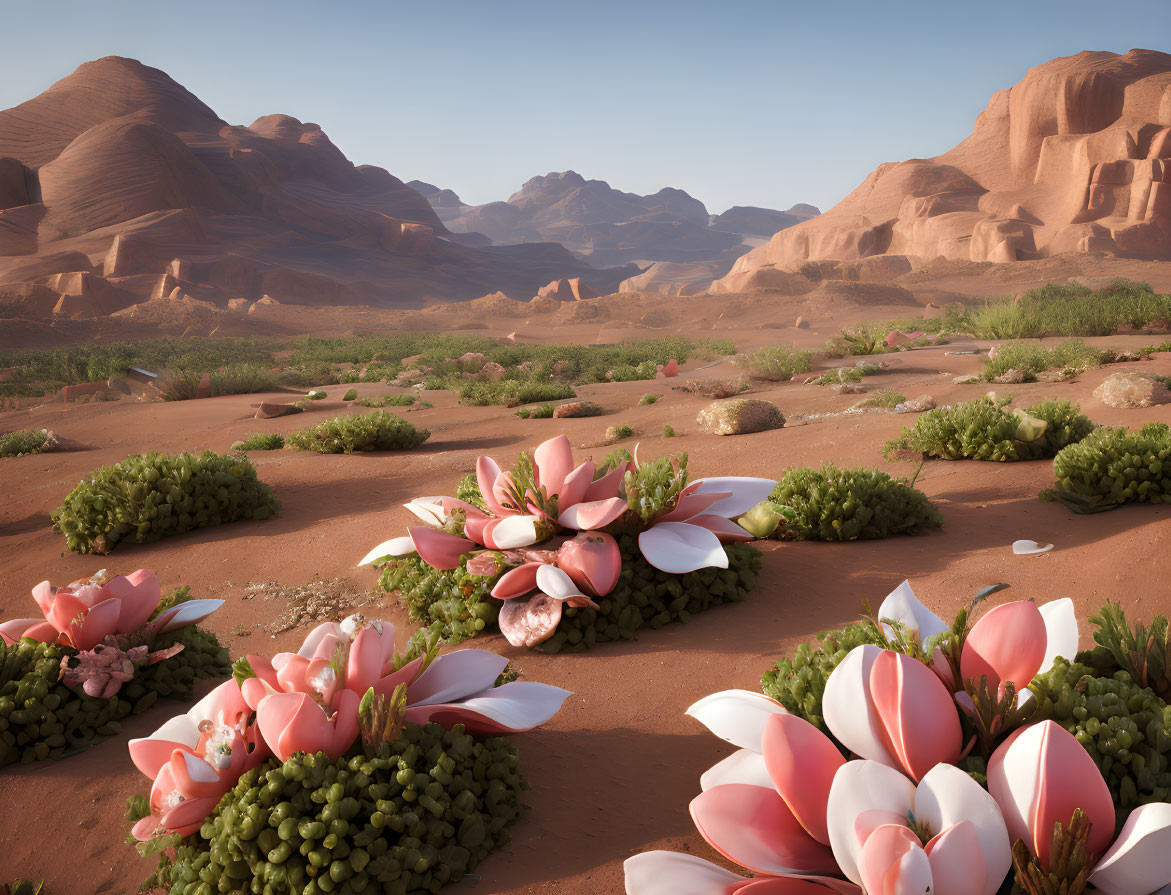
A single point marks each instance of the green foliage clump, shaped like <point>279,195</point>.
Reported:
<point>21,887</point>
<point>1144,653</point>
<point>984,430</point>
<point>647,399</point>
<point>350,395</point>
<point>887,399</point>
<point>260,441</point>
<point>512,393</point>
<point>653,488</point>
<point>314,396</point>
<point>153,496</point>
<point>416,815</point>
<point>799,683</point>
<point>1111,467</point>
<point>544,412</point>
<point>613,460</point>
<point>619,432</point>
<point>1125,727</point>
<point>778,363</point>
<point>1072,356</point>
<point>468,491</point>
<point>40,717</point>
<point>668,431</point>
<point>861,341</point>
<point>456,605</point>
<point>378,431</point>
<point>842,374</point>
<point>386,401</point>
<point>182,382</point>
<point>1069,309</point>
<point>835,504</point>
<point>22,442</point>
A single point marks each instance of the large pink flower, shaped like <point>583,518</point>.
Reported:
<point>84,613</point>
<point>194,759</point>
<point>303,704</point>
<point>1041,774</point>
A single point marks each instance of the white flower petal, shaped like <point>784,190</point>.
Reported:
<point>456,675</point>
<point>862,786</point>
<point>1028,548</point>
<point>400,546</point>
<point>428,510</point>
<point>745,493</point>
<point>672,873</point>
<point>676,548</point>
<point>556,583</point>
<point>189,613</point>
<point>736,716</point>
<point>903,606</point>
<point>848,710</point>
<point>947,795</point>
<point>1060,631</point>
<point>514,707</point>
<point>1138,860</point>
<point>742,766</point>
<point>514,532</point>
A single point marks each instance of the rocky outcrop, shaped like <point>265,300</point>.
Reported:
<point>1074,158</point>
<point>748,220</point>
<point>572,289</point>
<point>740,417</point>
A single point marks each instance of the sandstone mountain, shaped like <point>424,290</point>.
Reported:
<point>118,186</point>
<point>1074,158</point>
<point>609,226</point>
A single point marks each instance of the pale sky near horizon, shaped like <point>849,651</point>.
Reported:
<point>739,102</point>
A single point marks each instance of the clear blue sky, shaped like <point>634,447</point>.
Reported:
<point>747,102</point>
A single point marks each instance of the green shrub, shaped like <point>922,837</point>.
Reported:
<point>511,393</point>
<point>668,431</point>
<point>378,431</point>
<point>834,504</point>
<point>840,375</point>
<point>1143,653</point>
<point>984,430</point>
<point>153,496</point>
<point>887,399</point>
<point>314,396</point>
<point>778,363</point>
<point>1073,356</point>
<point>44,718</point>
<point>861,341</point>
<point>647,399</point>
<point>386,401</point>
<point>456,605</point>
<point>619,432</point>
<point>23,441</point>
<point>350,395</point>
<point>544,412</point>
<point>375,836</point>
<point>260,441</point>
<point>242,379</point>
<point>1111,467</point>
<point>1070,309</point>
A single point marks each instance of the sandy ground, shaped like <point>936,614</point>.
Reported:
<point>612,774</point>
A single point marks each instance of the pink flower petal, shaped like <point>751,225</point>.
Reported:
<point>577,483</point>
<point>457,675</point>
<point>743,493</point>
<point>690,505</point>
<point>591,515</point>
<point>408,674</point>
<point>957,864</point>
<point>752,826</point>
<point>99,622</point>
<point>894,863</point>
<point>439,549</point>
<point>510,708</point>
<point>676,548</point>
<point>917,713</point>
<point>140,593</point>
<point>742,766</point>
<point>1061,634</point>
<point>901,605</point>
<point>798,885</point>
<point>849,711</point>
<point>516,582</point>
<point>487,472</point>
<point>36,628</point>
<point>1137,861</point>
<point>859,787</point>
<point>802,762</point>
<point>736,716</point>
<point>726,530</point>
<point>185,614</point>
<point>608,485</point>
<point>672,873</point>
<point>370,651</point>
<point>553,460</point>
<point>1006,644</point>
<point>593,561</point>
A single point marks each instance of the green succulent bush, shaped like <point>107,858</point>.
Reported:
<point>836,504</point>
<point>40,717</point>
<point>647,399</point>
<point>544,412</point>
<point>350,395</point>
<point>842,374</point>
<point>1074,356</point>
<point>669,431</point>
<point>378,431</point>
<point>1111,467</point>
<point>512,393</point>
<point>984,430</point>
<point>22,442</point>
<point>778,363</point>
<point>260,441</point>
<point>411,818</point>
<point>456,605</point>
<point>887,399</point>
<point>153,496</point>
<point>386,401</point>
<point>1144,653</point>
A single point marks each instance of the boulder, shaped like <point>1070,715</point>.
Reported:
<point>577,409</point>
<point>1130,390</point>
<point>1011,377</point>
<point>670,369</point>
<point>491,372</point>
<point>740,417</point>
<point>920,404</point>
<point>267,411</point>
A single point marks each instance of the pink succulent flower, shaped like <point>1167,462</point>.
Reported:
<point>1041,774</point>
<point>308,701</point>
<point>194,759</point>
<point>84,613</point>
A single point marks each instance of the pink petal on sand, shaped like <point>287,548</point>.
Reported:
<point>510,708</point>
<point>752,826</point>
<point>608,485</point>
<point>439,549</point>
<point>516,582</point>
<point>553,460</point>
<point>917,712</point>
<point>802,762</point>
<point>44,594</point>
<point>894,863</point>
<point>487,472</point>
<point>591,515</point>
<point>457,675</point>
<point>1006,644</point>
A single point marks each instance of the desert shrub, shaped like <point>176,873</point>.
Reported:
<point>23,441</point>
<point>180,385</point>
<point>1111,467</point>
<point>628,373</point>
<point>984,430</point>
<point>613,460</point>
<point>350,395</point>
<point>544,412</point>
<point>835,504</point>
<point>378,431</point>
<point>647,399</point>
<point>242,379</point>
<point>314,395</point>
<point>386,401</point>
<point>778,363</point>
<point>861,341</point>
<point>44,718</point>
<point>619,432</point>
<point>1031,358</point>
<point>511,393</point>
<point>840,375</point>
<point>668,431</point>
<point>261,441</point>
<point>411,817</point>
<point>153,496</point>
<point>887,399</point>
<point>1143,653</point>
<point>1070,309</point>
<point>455,605</point>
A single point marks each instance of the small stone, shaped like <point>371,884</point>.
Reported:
<point>670,370</point>
<point>1130,390</point>
<point>576,409</point>
<point>1011,377</point>
<point>921,404</point>
<point>472,362</point>
<point>267,411</point>
<point>615,433</point>
<point>741,417</point>
<point>894,337</point>
<point>848,388</point>
<point>491,372</point>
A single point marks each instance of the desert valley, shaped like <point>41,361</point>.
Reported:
<point>672,445</point>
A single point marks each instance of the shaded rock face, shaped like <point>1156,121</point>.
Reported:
<point>119,172</point>
<point>1074,158</point>
<point>1131,390</point>
<point>740,417</point>
<point>609,226</point>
